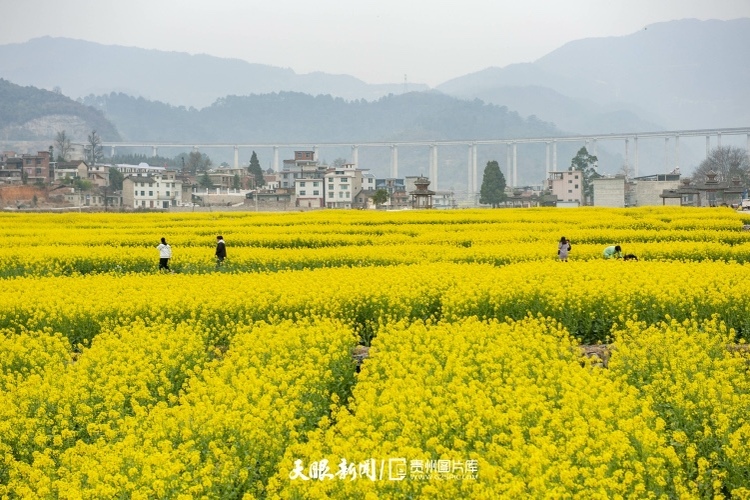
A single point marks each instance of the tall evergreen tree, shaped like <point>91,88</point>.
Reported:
<point>255,170</point>
<point>205,181</point>
<point>492,191</point>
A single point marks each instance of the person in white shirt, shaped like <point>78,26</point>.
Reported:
<point>165,253</point>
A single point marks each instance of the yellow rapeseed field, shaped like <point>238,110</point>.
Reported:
<point>240,380</point>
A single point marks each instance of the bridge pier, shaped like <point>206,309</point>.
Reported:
<point>276,159</point>
<point>355,155</point>
<point>627,152</point>
<point>508,164</point>
<point>394,161</point>
<point>515,165</point>
<point>469,179</point>
<point>434,166</point>
<point>554,155</point>
<point>236,157</point>
<point>635,160</point>
<point>474,168</point>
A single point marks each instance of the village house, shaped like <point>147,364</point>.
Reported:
<point>153,187</point>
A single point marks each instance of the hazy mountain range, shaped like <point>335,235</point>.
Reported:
<point>685,74</point>
<point>81,68</point>
<point>675,75</point>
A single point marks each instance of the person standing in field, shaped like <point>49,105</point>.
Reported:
<point>221,250</point>
<point>613,252</point>
<point>165,253</point>
<point>563,247</point>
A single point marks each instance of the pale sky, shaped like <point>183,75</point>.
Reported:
<point>378,41</point>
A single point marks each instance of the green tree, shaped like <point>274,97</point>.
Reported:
<point>380,197</point>
<point>586,164</point>
<point>83,184</point>
<point>115,178</point>
<point>63,145</point>
<point>205,181</point>
<point>236,182</point>
<point>255,170</point>
<point>492,191</point>
<point>197,162</point>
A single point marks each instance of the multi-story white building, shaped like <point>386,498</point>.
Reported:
<point>309,192</point>
<point>151,189</point>
<point>303,166</point>
<point>344,183</point>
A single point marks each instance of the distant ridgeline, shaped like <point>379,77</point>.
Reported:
<point>295,117</point>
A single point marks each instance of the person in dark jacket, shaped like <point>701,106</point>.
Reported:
<point>221,250</point>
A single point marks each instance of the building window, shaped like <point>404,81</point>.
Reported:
<point>150,193</point>
<point>330,187</point>
<point>570,191</point>
<point>315,184</point>
<point>302,184</point>
<point>576,186</point>
<point>316,193</point>
<point>167,193</point>
<point>302,193</point>
<point>143,193</point>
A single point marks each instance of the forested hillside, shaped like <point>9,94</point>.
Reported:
<point>24,109</point>
<point>294,117</point>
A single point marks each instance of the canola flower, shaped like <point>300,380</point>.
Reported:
<point>118,381</point>
<point>64,244</point>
